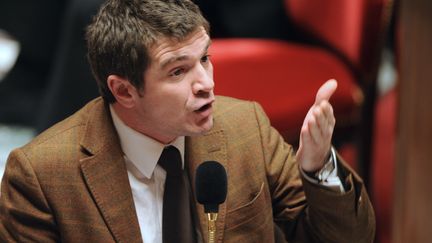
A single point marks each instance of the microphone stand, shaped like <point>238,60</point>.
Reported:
<point>212,217</point>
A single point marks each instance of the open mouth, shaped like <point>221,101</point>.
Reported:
<point>204,108</point>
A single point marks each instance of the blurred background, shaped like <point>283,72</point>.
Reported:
<point>277,52</point>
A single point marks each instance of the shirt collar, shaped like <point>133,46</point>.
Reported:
<point>141,150</point>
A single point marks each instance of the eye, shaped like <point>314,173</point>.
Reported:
<point>205,58</point>
<point>177,72</point>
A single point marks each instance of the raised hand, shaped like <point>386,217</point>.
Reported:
<point>317,130</point>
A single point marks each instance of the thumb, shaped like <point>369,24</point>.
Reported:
<point>326,91</point>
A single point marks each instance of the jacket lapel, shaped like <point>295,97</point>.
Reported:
<point>106,176</point>
<point>211,146</point>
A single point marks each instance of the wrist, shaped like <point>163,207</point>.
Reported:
<point>322,173</point>
<point>312,168</point>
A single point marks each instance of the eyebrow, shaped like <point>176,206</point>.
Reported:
<point>183,57</point>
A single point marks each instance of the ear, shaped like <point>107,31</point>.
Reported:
<point>124,92</point>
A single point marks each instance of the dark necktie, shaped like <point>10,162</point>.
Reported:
<point>177,223</point>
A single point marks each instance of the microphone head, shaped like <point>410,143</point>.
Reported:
<point>211,185</point>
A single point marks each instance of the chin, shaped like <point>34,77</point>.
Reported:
<point>202,128</point>
<point>208,125</point>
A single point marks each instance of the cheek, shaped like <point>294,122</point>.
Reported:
<point>174,105</point>
<point>172,99</point>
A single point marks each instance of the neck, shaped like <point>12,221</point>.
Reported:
<point>129,119</point>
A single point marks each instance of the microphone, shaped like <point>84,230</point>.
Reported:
<point>211,190</point>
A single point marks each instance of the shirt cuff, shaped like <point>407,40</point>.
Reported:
<point>328,175</point>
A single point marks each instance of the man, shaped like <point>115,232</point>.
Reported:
<point>94,176</point>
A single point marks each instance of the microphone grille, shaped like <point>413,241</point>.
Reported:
<point>211,185</point>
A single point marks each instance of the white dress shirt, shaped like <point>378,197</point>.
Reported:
<point>146,177</point>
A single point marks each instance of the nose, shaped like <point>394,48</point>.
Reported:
<point>203,80</point>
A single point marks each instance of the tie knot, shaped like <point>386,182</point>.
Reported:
<point>171,161</point>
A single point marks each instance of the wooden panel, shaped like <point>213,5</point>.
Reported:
<point>413,192</point>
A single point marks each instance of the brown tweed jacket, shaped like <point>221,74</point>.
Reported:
<point>70,184</point>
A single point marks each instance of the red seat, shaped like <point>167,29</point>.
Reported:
<point>283,77</point>
<point>354,28</point>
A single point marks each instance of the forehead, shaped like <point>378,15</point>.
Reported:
<point>165,49</point>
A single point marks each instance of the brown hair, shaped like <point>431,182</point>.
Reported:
<point>119,38</point>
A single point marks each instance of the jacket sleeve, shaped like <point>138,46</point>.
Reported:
<point>25,215</point>
<point>308,212</point>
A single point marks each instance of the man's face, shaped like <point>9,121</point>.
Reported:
<point>178,89</point>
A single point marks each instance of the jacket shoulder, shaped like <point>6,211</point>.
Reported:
<point>228,109</point>
<point>61,141</point>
